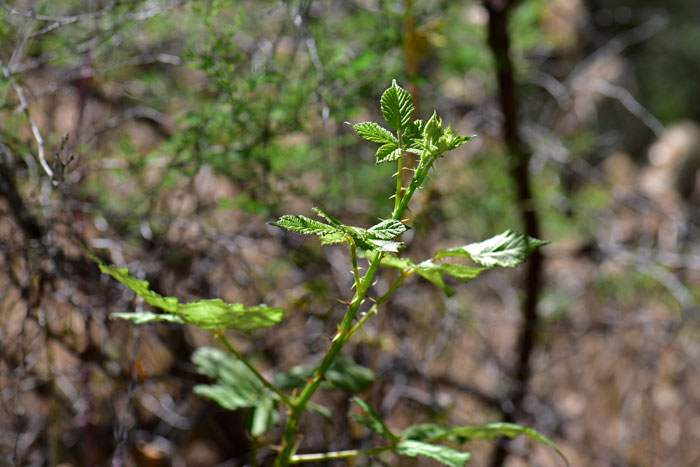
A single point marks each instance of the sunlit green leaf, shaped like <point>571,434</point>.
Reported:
<point>388,153</point>
<point>139,287</point>
<point>507,249</point>
<point>217,314</point>
<point>375,133</point>
<point>397,106</point>
<point>303,224</point>
<point>433,272</point>
<point>387,229</point>
<point>442,454</point>
<point>212,314</point>
<point>143,317</point>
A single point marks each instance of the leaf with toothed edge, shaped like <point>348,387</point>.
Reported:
<point>507,250</point>
<point>397,107</point>
<point>375,133</point>
<point>208,314</point>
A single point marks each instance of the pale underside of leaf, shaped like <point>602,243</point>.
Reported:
<point>507,249</point>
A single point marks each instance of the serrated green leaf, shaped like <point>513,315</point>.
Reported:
<point>304,225</point>
<point>388,246</point>
<point>375,133</point>
<point>460,271</point>
<point>398,263</point>
<point>332,220</point>
<point>415,130</point>
<point>236,385</point>
<point>226,398</point>
<point>319,409</point>
<point>216,314</point>
<point>507,249</point>
<point>388,153</point>
<point>143,317</point>
<point>397,107</point>
<point>335,237</point>
<point>433,275</point>
<point>433,272</point>
<point>139,287</point>
<point>296,377</point>
<point>387,229</point>
<point>347,375</point>
<point>509,430</point>
<point>208,314</point>
<point>425,432</point>
<point>377,238</point>
<point>442,454</point>
<point>374,422</point>
<point>264,416</point>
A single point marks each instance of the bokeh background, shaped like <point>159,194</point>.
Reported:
<point>164,135</point>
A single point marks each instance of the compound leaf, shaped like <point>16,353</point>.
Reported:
<point>397,107</point>
<point>442,454</point>
<point>507,249</point>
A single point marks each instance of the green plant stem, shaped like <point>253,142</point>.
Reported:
<point>337,344</point>
<point>287,401</point>
<point>417,180</point>
<point>337,455</point>
<point>380,301</point>
<point>399,174</point>
<point>355,269</point>
<point>345,329</point>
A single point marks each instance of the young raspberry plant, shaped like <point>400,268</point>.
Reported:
<point>238,384</point>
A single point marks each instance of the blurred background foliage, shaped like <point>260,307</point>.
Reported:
<point>176,129</point>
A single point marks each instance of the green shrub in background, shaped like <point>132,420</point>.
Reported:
<point>238,384</point>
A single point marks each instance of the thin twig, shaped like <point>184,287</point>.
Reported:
<point>297,458</point>
<point>35,129</point>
